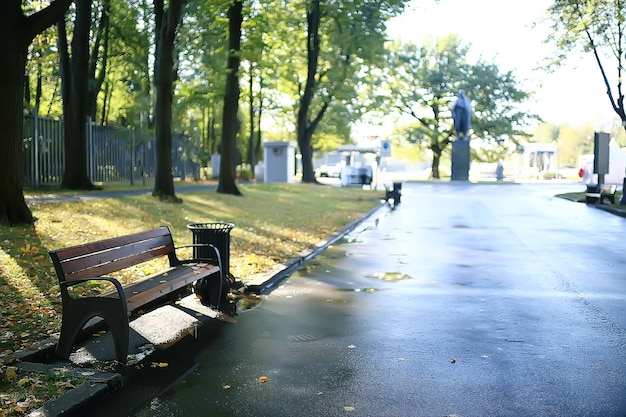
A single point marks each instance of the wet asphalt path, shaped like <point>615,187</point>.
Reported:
<point>468,300</point>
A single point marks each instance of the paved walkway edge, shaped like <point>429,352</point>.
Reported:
<point>270,283</point>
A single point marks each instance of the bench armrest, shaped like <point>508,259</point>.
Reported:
<point>203,245</point>
<point>118,287</point>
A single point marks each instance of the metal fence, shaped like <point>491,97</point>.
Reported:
<point>114,154</point>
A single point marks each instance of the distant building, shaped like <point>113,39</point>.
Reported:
<point>617,165</point>
<point>538,161</point>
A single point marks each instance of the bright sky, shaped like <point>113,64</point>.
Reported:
<point>501,32</point>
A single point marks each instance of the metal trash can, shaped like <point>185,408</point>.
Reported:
<point>393,195</point>
<point>397,191</point>
<point>217,234</point>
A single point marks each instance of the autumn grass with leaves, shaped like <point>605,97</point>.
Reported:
<point>274,223</point>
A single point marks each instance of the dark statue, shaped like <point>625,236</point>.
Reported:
<point>462,115</point>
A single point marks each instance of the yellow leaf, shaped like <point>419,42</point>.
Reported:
<point>351,346</point>
<point>11,373</point>
<point>453,360</point>
<point>263,379</point>
<point>348,408</point>
<point>23,382</point>
<point>28,249</point>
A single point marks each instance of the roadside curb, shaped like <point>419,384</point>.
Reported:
<point>270,283</point>
<point>100,384</point>
<point>612,210</point>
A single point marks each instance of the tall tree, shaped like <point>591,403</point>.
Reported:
<point>261,24</point>
<point>203,59</point>
<point>596,27</point>
<point>128,81</point>
<point>17,31</point>
<point>423,83</point>
<point>227,184</point>
<point>342,38</point>
<point>306,124</point>
<point>74,74</point>
<point>99,58</point>
<point>167,20</point>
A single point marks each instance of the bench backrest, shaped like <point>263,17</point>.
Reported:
<point>608,188</point>
<point>105,256</point>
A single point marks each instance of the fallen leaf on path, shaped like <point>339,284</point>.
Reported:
<point>23,382</point>
<point>159,365</point>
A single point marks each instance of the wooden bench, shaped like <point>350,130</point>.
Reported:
<point>93,261</point>
<point>598,193</point>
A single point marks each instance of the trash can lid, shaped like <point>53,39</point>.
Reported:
<point>211,226</point>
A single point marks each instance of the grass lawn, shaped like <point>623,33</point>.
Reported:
<point>274,223</point>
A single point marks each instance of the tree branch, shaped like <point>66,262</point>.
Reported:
<point>43,19</point>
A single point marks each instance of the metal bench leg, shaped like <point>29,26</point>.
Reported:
<point>79,311</point>
<point>117,321</point>
<point>69,331</point>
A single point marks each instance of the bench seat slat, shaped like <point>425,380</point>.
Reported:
<point>145,291</point>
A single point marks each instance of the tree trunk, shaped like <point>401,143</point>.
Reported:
<point>166,23</point>
<point>13,208</point>
<point>227,184</point>
<point>98,62</point>
<point>434,172</point>
<point>259,137</point>
<point>252,117</point>
<point>304,130</point>
<point>16,34</point>
<point>74,79</point>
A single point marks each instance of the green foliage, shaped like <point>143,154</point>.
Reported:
<point>425,81</point>
<point>595,27</point>
<point>571,141</point>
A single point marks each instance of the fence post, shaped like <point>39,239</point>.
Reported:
<point>35,143</point>
<point>89,128</point>
<point>132,156</point>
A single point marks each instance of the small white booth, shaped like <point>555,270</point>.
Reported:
<point>280,162</point>
<point>216,158</point>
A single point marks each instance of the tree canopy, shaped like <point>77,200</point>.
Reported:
<point>425,81</point>
<point>302,70</point>
<point>595,27</point>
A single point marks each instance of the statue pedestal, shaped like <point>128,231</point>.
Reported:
<point>460,160</point>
